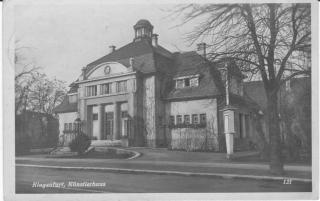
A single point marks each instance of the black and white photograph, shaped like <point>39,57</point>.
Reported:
<point>149,100</point>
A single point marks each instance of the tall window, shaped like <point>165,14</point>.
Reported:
<point>187,119</point>
<point>105,88</point>
<point>70,126</point>
<point>203,119</point>
<point>171,122</point>
<point>124,114</point>
<point>187,82</point>
<point>65,126</point>
<point>195,119</point>
<point>91,90</point>
<point>122,86</point>
<point>179,119</point>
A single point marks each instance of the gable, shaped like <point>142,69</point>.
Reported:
<point>107,69</point>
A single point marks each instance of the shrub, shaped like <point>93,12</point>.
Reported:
<point>80,143</point>
<point>22,145</point>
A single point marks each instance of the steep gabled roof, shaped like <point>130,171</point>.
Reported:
<point>191,63</point>
<point>66,106</point>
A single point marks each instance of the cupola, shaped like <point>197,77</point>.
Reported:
<point>143,30</point>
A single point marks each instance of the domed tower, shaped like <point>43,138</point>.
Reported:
<point>143,30</point>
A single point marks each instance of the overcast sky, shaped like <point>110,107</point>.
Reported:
<point>63,39</point>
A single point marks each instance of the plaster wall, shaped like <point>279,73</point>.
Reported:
<point>194,138</point>
<point>66,118</point>
<point>149,110</point>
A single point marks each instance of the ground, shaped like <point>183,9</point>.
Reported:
<point>159,170</point>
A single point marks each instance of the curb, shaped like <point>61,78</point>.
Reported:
<point>164,172</point>
<point>135,153</point>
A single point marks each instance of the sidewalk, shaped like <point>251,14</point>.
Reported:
<point>161,161</point>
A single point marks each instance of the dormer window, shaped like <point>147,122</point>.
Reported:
<point>179,84</point>
<point>187,81</point>
<point>194,82</point>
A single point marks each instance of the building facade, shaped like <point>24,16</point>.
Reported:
<point>144,95</point>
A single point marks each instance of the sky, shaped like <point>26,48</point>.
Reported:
<point>64,38</point>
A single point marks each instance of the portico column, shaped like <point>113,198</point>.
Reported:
<point>116,121</point>
<point>100,121</point>
<point>89,120</point>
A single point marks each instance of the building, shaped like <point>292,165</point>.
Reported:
<point>145,95</point>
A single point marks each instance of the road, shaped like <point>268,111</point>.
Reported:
<point>140,183</point>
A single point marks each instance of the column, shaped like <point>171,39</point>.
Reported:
<point>243,122</point>
<point>100,121</point>
<point>89,120</point>
<point>228,116</point>
<point>116,121</point>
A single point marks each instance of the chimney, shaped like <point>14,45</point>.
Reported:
<point>131,62</point>
<point>201,49</point>
<point>112,48</point>
<point>155,40</point>
<point>84,73</point>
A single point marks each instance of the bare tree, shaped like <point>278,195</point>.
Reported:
<point>25,77</point>
<point>269,40</point>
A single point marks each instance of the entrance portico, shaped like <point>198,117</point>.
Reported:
<point>109,120</point>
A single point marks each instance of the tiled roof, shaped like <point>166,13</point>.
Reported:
<point>73,87</point>
<point>142,51</point>
<point>65,106</point>
<point>190,63</point>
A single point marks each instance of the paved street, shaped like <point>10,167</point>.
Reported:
<point>142,183</point>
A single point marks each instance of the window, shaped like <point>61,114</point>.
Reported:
<point>179,119</point>
<point>124,114</point>
<point>70,126</point>
<point>187,82</point>
<point>190,81</point>
<point>203,119</point>
<point>75,127</point>
<point>94,116</point>
<point>91,90</point>
<point>171,122</point>
<point>194,82</point>
<point>65,126</point>
<point>187,119</point>
<point>179,84</point>
<point>105,88</point>
<point>195,119</point>
<point>122,86</point>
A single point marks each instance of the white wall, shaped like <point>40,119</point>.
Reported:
<point>200,135</point>
<point>149,110</point>
<point>66,118</point>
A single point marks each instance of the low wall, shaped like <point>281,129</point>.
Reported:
<point>191,139</point>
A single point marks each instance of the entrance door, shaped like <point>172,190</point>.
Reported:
<point>109,125</point>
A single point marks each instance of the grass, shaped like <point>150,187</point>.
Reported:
<point>110,154</point>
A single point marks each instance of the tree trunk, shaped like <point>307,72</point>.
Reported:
<point>276,163</point>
